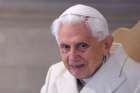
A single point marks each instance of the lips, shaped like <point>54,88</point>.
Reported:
<point>77,66</point>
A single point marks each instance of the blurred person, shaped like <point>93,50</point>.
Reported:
<point>91,62</point>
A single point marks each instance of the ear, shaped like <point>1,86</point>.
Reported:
<point>108,42</point>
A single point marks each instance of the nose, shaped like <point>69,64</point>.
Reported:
<point>73,55</point>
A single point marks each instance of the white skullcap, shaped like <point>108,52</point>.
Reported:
<point>84,11</point>
<point>98,23</point>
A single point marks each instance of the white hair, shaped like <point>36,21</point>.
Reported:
<point>95,21</point>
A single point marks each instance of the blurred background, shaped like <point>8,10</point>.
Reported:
<point>27,47</point>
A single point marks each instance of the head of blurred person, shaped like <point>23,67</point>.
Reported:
<point>83,40</point>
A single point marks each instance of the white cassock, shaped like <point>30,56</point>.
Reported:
<point>120,74</point>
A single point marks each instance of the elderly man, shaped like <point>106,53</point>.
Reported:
<point>90,62</point>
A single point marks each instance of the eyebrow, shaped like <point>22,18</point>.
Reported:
<point>82,43</point>
<point>63,44</point>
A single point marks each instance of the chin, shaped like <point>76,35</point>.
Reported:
<point>79,76</point>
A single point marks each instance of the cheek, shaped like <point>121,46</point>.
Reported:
<point>93,57</point>
<point>90,54</point>
<point>64,58</point>
<point>63,55</point>
<point>96,53</point>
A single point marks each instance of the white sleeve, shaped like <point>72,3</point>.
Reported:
<point>45,87</point>
<point>51,78</point>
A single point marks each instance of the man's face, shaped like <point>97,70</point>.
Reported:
<point>81,53</point>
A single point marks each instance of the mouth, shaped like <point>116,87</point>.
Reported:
<point>77,66</point>
<point>77,69</point>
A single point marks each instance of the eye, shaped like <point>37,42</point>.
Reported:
<point>82,45</point>
<point>64,48</point>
